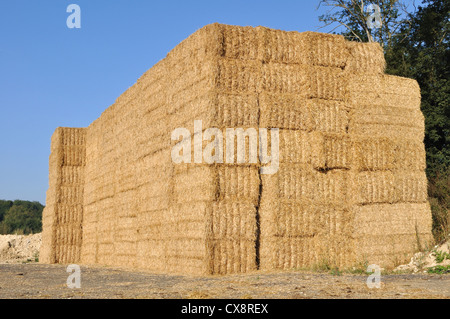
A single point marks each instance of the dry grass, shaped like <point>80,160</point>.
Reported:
<point>439,192</point>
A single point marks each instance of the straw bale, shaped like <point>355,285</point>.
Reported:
<point>411,187</point>
<point>375,120</point>
<point>150,225</point>
<point>288,253</point>
<point>324,151</point>
<point>286,111</point>
<point>233,220</point>
<point>72,136</point>
<point>285,78</point>
<point>156,165</point>
<point>375,187</point>
<point>287,218</point>
<point>152,144</point>
<point>374,154</point>
<point>73,175</point>
<point>154,196</point>
<point>383,90</point>
<point>365,58</point>
<point>242,43</point>
<point>329,116</point>
<point>192,229</point>
<point>323,49</point>
<point>47,251</point>
<point>387,130</point>
<point>233,110</point>
<point>241,146</point>
<point>231,234</point>
<point>219,110</point>
<point>151,252</point>
<point>390,122</point>
<point>307,81</point>
<point>386,233</point>
<point>69,213</point>
<point>396,116</point>
<point>231,256</point>
<point>203,44</point>
<point>309,48</point>
<point>63,219</point>
<point>195,73</point>
<point>197,184</point>
<point>297,147</point>
<point>409,155</point>
<point>334,151</point>
<point>301,182</point>
<point>236,76</point>
<point>282,47</point>
<point>239,183</point>
<point>56,140</point>
<point>327,83</point>
<point>391,187</point>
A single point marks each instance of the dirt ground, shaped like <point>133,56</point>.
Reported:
<point>33,280</point>
<point>21,277</point>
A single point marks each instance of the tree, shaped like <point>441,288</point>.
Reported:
<point>353,15</point>
<point>5,205</point>
<point>21,216</point>
<point>430,56</point>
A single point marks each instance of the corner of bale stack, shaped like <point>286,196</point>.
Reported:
<point>365,57</point>
<point>63,215</point>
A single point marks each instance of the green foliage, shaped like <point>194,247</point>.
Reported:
<point>5,205</point>
<point>322,266</point>
<point>441,256</point>
<point>335,271</point>
<point>439,193</point>
<point>21,217</point>
<point>441,270</point>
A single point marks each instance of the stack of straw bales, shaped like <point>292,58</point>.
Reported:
<point>62,218</point>
<point>350,186</point>
<point>392,217</point>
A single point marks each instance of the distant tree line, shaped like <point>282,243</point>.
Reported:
<point>20,217</point>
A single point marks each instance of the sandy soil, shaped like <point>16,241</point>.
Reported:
<point>50,281</point>
<point>425,260</point>
<point>19,248</point>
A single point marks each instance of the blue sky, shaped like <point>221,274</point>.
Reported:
<point>53,76</point>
